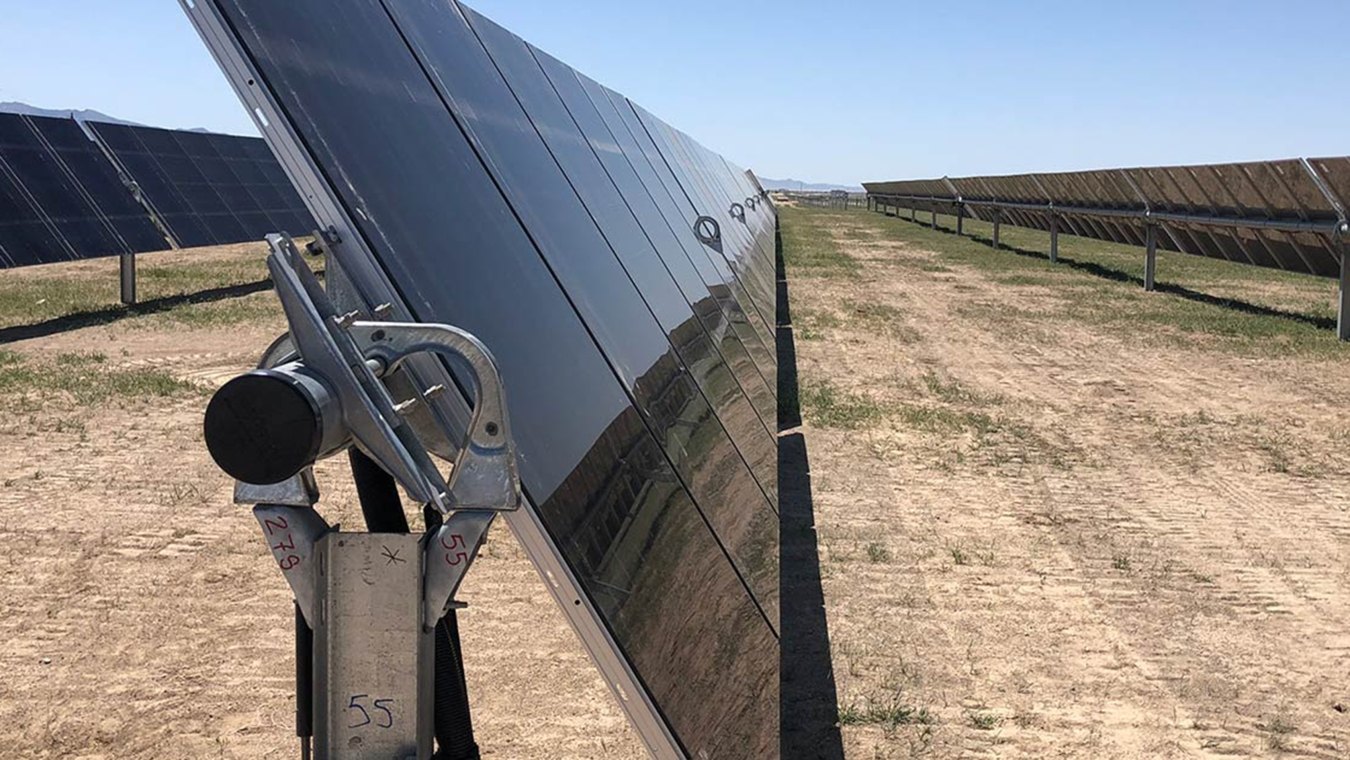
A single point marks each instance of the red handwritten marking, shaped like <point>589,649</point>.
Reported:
<point>456,542</point>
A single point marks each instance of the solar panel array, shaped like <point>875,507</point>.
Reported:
<point>207,189</point>
<point>67,193</point>
<point>1280,214</point>
<point>623,276</point>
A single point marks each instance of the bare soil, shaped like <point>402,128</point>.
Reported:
<point>1040,537</point>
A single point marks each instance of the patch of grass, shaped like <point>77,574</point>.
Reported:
<point>882,319</point>
<point>1205,303</point>
<point>889,714</point>
<point>809,324</point>
<point>959,556</point>
<point>1121,563</point>
<point>827,406</point>
<point>1277,731</point>
<point>953,392</point>
<point>55,292</point>
<point>81,379</point>
<point>877,553</point>
<point>985,721</point>
<point>809,247</point>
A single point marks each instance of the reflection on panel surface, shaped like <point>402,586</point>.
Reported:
<point>208,189</point>
<point>495,202</point>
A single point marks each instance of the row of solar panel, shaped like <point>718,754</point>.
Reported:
<point>1278,214</point>
<point>622,275</point>
<point>71,191</point>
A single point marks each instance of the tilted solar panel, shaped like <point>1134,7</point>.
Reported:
<point>1275,214</point>
<point>49,214</point>
<point>500,192</point>
<point>207,189</point>
<point>97,178</point>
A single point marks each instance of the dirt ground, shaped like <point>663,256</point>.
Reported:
<point>1044,536</point>
<point>139,615</point>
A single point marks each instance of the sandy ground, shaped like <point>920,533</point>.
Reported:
<point>140,616</point>
<point>1045,540</point>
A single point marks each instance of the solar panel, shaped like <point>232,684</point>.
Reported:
<point>97,179</point>
<point>468,177</point>
<point>1275,214</point>
<point>51,198</point>
<point>207,189</point>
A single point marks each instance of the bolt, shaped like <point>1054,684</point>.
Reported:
<point>403,406</point>
<point>347,320</point>
<point>384,310</point>
<point>433,391</point>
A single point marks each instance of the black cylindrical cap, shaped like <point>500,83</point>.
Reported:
<point>263,428</point>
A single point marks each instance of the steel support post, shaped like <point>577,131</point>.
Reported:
<point>1151,257</point>
<point>914,215</point>
<point>998,222</point>
<point>934,221</point>
<point>960,219</point>
<point>1343,311</point>
<point>1054,239</point>
<point>127,275</point>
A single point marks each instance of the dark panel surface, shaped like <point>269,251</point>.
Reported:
<point>208,189</point>
<point>740,518</point>
<point>53,195</point>
<point>96,176</point>
<point>478,224</point>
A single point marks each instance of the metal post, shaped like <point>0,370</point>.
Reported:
<point>1151,257</point>
<point>998,222</point>
<point>127,272</point>
<point>934,223</point>
<point>914,214</point>
<point>960,219</point>
<point>1054,239</point>
<point>1343,312</point>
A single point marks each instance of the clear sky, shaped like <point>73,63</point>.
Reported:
<point>826,91</point>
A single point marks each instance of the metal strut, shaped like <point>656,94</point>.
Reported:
<point>376,603</point>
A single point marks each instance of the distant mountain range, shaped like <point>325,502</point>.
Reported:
<point>805,187</point>
<point>82,114</point>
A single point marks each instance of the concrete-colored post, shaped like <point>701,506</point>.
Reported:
<point>1054,239</point>
<point>914,215</point>
<point>127,275</point>
<point>1151,257</point>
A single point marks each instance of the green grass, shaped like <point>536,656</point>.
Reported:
<point>808,247</point>
<point>184,292</point>
<point>877,553</point>
<point>881,319</point>
<point>80,379</point>
<point>1224,306</point>
<point>889,714</point>
<point>827,406</point>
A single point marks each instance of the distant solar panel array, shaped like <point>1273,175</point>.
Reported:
<point>76,191</point>
<point>1288,215</point>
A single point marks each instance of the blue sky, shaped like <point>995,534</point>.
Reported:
<point>827,91</point>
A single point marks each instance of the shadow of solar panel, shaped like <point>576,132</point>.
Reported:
<point>492,187</point>
<point>207,189</point>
